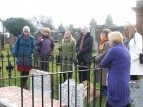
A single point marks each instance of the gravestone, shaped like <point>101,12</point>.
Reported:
<point>38,34</point>
<point>11,41</point>
<point>2,41</point>
<point>37,82</point>
<point>136,91</point>
<point>95,43</point>
<point>75,93</point>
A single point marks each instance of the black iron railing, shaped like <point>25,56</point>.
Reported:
<point>53,65</point>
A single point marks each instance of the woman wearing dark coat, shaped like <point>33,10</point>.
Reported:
<point>84,53</point>
<point>23,49</point>
<point>117,60</point>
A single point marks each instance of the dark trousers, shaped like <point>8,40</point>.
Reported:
<point>108,105</point>
<point>67,67</point>
<point>83,72</point>
<point>24,79</point>
<point>44,63</point>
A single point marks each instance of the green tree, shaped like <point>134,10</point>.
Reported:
<point>109,21</point>
<point>15,25</point>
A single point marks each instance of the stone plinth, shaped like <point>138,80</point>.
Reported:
<point>11,97</point>
<point>136,89</point>
<point>139,16</point>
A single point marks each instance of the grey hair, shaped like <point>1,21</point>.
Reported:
<point>85,28</point>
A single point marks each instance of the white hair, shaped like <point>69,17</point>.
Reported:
<point>116,37</point>
<point>85,29</point>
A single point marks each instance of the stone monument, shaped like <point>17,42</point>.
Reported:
<point>136,87</point>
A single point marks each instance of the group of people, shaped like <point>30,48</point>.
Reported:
<point>121,57</point>
<point>118,54</point>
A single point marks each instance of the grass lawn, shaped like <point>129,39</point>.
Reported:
<point>53,68</point>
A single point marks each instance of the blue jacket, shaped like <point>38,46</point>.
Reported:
<point>23,48</point>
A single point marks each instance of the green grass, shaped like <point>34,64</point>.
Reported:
<point>53,68</point>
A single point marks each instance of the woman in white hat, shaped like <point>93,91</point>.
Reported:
<point>23,49</point>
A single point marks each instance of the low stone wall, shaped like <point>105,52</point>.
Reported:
<point>11,97</point>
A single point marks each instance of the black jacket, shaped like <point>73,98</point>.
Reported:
<point>86,51</point>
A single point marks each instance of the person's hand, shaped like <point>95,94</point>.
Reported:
<point>132,61</point>
<point>93,59</point>
<point>79,53</point>
<point>60,49</point>
<point>96,59</point>
<point>75,62</point>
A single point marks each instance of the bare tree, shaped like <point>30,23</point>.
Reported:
<point>46,21</point>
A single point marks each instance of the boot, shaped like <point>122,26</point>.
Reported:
<point>24,79</point>
<point>24,82</point>
<point>104,90</point>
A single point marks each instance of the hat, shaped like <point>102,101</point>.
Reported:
<point>26,29</point>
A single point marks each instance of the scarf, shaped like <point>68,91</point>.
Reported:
<point>103,40</point>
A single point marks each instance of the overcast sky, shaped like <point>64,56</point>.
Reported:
<point>76,12</point>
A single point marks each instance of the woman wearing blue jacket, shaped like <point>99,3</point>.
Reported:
<point>23,49</point>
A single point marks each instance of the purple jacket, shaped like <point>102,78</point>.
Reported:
<point>118,61</point>
<point>46,45</point>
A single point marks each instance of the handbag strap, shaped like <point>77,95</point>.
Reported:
<point>134,40</point>
<point>18,42</point>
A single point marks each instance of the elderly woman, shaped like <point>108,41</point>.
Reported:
<point>118,61</point>
<point>84,53</point>
<point>68,48</point>
<point>103,49</point>
<point>135,48</point>
<point>23,49</point>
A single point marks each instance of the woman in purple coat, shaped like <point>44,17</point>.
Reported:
<point>46,46</point>
<point>118,61</point>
